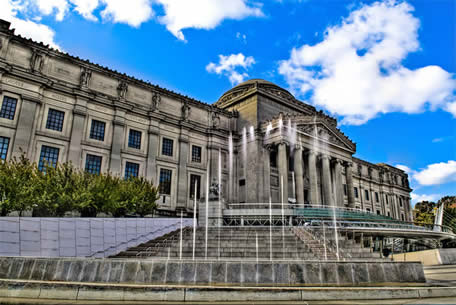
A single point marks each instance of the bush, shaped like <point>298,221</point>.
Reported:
<point>56,191</point>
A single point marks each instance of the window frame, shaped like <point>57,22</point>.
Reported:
<point>167,150</point>
<point>95,157</point>
<point>192,186</point>
<point>133,136</point>
<point>165,189</point>
<point>196,160</point>
<point>6,113</point>
<point>128,173</point>
<point>56,122</point>
<point>93,134</point>
<point>41,164</point>
<point>3,150</point>
<point>366,195</point>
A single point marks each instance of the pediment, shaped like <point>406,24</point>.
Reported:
<point>327,133</point>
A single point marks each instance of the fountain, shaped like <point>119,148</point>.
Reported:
<point>194,219</point>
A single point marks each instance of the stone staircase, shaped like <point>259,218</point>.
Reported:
<point>251,243</point>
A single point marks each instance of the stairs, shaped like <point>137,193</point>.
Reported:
<point>251,243</point>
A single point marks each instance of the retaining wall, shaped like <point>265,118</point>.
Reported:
<point>225,273</point>
<point>429,257</point>
<point>79,237</point>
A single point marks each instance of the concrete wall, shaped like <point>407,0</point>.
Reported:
<point>79,237</point>
<point>429,257</point>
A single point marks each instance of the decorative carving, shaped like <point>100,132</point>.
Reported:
<point>185,111</point>
<point>86,74</point>
<point>122,89</point>
<point>215,119</point>
<point>360,170</point>
<point>215,191</point>
<point>36,61</point>
<point>156,99</point>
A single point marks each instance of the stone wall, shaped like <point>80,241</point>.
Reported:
<point>247,273</point>
<point>79,237</point>
<point>429,257</point>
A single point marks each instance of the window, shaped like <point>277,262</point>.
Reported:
<point>97,131</point>
<point>378,212</point>
<point>242,182</point>
<point>345,190</point>
<point>195,179</point>
<point>55,119</point>
<point>389,214</point>
<point>49,156</point>
<point>93,164</point>
<point>167,147</point>
<point>196,154</point>
<point>8,108</point>
<point>366,194</point>
<point>224,160</point>
<point>402,217</point>
<point>134,139</point>
<point>4,143</point>
<point>165,181</point>
<point>386,199</point>
<point>376,197</point>
<point>273,159</point>
<point>356,192</point>
<point>131,170</point>
<point>400,201</point>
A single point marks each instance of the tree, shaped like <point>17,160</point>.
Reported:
<point>424,212</point>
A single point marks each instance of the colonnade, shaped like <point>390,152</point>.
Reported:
<point>333,191</point>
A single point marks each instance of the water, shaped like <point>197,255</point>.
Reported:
<point>194,220</point>
<point>219,197</point>
<point>252,133</point>
<point>207,205</point>
<point>230,166</point>
<point>244,150</point>
<point>180,242</point>
<point>294,186</point>
<point>283,217</point>
<point>256,243</point>
<point>336,235</point>
<point>324,242</point>
<point>270,226</point>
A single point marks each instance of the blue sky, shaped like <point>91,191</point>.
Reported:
<point>385,69</point>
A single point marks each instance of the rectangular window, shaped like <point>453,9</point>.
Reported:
<point>49,156</point>
<point>376,197</point>
<point>366,194</point>
<point>195,179</point>
<point>196,154</point>
<point>273,159</point>
<point>167,147</point>
<point>55,119</point>
<point>93,164</point>
<point>356,192</point>
<point>4,144</point>
<point>8,108</point>
<point>386,199</point>
<point>400,201</point>
<point>165,181</point>
<point>97,130</point>
<point>378,212</point>
<point>134,139</point>
<point>242,182</point>
<point>131,170</point>
<point>345,190</point>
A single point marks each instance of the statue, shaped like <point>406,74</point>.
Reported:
<point>214,191</point>
<point>215,118</point>
<point>156,99</point>
<point>36,62</point>
<point>122,90</point>
<point>86,74</point>
<point>185,111</point>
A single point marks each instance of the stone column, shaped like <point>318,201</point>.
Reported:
<point>24,132</point>
<point>283,172</point>
<point>350,186</point>
<point>326,174</point>
<point>118,135</point>
<point>339,190</point>
<point>182,171</point>
<point>298,168</point>
<point>79,115</point>
<point>267,173</point>
<point>152,151</point>
<point>312,161</point>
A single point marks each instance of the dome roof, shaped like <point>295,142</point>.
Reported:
<point>258,83</point>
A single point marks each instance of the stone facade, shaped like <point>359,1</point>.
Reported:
<point>102,120</point>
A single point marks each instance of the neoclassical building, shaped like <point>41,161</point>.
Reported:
<point>258,139</point>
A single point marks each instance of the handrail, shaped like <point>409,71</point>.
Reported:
<point>131,240</point>
<point>155,248</point>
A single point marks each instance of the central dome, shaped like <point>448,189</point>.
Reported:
<point>258,83</point>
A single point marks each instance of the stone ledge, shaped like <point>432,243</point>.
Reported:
<point>45,290</point>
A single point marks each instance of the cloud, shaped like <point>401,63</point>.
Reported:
<point>356,71</point>
<point>131,12</point>
<point>231,65</point>
<point>203,14</point>
<point>451,108</point>
<point>424,197</point>
<point>27,28</point>
<point>241,37</point>
<point>85,8</point>
<point>48,7</point>
<point>405,168</point>
<point>437,173</point>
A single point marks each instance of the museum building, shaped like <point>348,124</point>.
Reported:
<point>257,139</point>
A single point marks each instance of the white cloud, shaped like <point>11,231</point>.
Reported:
<point>48,7</point>
<point>231,65</point>
<point>203,14</point>
<point>424,197</point>
<point>27,28</point>
<point>131,12</point>
<point>85,8</point>
<point>405,168</point>
<point>437,173</point>
<point>356,71</point>
<point>241,37</point>
<point>451,108</point>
